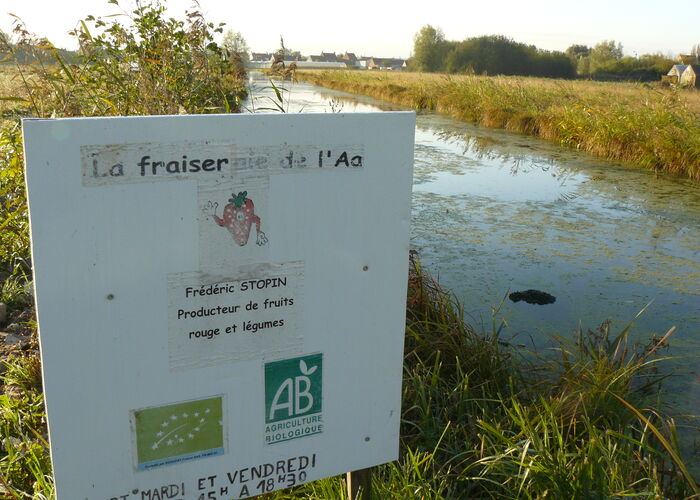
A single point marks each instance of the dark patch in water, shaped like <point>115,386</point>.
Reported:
<point>533,297</point>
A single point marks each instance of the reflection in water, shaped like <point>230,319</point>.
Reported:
<point>490,149</point>
<point>496,212</point>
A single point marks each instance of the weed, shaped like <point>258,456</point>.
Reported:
<point>25,467</point>
<point>570,425</point>
<point>14,221</point>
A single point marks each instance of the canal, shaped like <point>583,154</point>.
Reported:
<point>495,212</point>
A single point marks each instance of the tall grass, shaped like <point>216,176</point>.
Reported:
<point>14,222</point>
<point>479,419</point>
<point>650,127</point>
<point>571,425</point>
<point>25,467</point>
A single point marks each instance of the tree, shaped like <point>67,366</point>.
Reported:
<point>604,53</point>
<point>583,67</point>
<point>578,52</point>
<point>151,64</point>
<point>6,46</point>
<point>235,44</point>
<point>498,55</point>
<point>429,49</point>
<point>5,38</point>
<point>607,50</point>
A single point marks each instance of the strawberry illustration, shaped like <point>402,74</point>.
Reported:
<point>238,217</point>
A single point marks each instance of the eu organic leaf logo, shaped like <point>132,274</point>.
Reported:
<point>188,429</point>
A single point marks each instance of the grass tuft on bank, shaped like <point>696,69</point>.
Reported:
<point>643,125</point>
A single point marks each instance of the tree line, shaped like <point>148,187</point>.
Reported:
<point>24,53</point>
<point>11,52</point>
<point>500,55</point>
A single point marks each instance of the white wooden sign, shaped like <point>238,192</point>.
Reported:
<point>221,299</point>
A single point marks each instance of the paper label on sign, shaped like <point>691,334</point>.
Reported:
<point>148,162</point>
<point>255,314</point>
<point>233,221</point>
<point>209,162</point>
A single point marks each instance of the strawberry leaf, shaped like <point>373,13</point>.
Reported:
<point>239,199</point>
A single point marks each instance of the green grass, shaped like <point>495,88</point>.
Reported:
<point>14,221</point>
<point>643,125</point>
<point>25,467</point>
<point>480,418</point>
<point>566,426</point>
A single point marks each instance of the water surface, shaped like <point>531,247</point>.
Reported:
<point>496,212</point>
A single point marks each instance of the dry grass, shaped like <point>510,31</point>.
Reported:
<point>646,125</point>
<point>10,81</point>
<point>11,86</point>
<point>628,91</point>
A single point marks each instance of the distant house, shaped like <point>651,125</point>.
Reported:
<point>689,58</point>
<point>363,62</point>
<point>324,57</point>
<point>350,58</point>
<point>691,76</point>
<point>396,64</point>
<point>386,64</point>
<point>674,75</point>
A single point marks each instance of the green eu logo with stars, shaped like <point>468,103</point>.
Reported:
<point>178,432</point>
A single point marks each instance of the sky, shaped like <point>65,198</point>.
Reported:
<point>386,29</point>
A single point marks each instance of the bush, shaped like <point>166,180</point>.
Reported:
<point>145,65</point>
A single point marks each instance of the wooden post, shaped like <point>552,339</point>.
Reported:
<point>359,484</point>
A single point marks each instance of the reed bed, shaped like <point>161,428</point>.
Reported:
<point>643,125</point>
<point>12,90</point>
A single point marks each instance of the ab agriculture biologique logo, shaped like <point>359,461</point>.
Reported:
<point>293,398</point>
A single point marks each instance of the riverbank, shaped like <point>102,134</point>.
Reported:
<point>642,125</point>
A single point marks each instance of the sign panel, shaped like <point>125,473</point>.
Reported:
<point>221,299</point>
